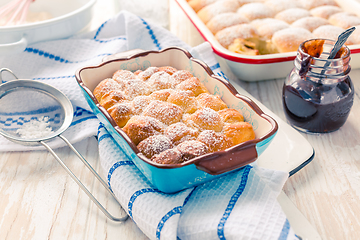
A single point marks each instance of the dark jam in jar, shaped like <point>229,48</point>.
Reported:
<point>318,98</point>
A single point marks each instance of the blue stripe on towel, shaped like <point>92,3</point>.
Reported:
<point>151,32</point>
<point>103,137</point>
<point>59,77</point>
<point>232,202</point>
<point>188,196</point>
<point>82,120</point>
<point>99,30</point>
<point>216,66</point>
<point>285,230</point>
<point>58,58</point>
<point>135,195</point>
<point>108,40</point>
<point>167,216</point>
<point>115,166</point>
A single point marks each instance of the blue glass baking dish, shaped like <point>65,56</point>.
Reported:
<point>170,178</point>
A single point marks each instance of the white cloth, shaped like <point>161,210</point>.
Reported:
<point>239,205</point>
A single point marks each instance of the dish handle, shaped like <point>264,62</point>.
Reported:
<point>228,161</point>
<point>13,47</point>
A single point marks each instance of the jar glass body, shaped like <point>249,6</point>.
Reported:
<point>318,93</point>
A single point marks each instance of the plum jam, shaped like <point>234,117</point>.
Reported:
<point>318,93</point>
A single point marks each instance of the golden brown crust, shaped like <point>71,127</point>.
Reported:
<point>104,87</point>
<point>184,99</point>
<point>192,149</point>
<point>204,119</point>
<point>169,156</point>
<point>207,100</point>
<point>160,80</point>
<point>121,112</point>
<point>165,112</point>
<point>139,128</point>
<point>289,39</point>
<point>111,98</point>
<point>214,141</point>
<point>230,115</point>
<point>192,84</point>
<point>168,69</point>
<point>154,145</point>
<point>179,132</point>
<point>239,132</point>
<point>211,10</point>
<point>123,75</point>
<point>242,31</point>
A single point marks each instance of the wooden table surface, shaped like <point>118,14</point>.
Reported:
<point>38,200</point>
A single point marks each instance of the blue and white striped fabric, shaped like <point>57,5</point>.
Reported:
<point>240,205</point>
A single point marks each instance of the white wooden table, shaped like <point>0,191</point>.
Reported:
<point>38,200</point>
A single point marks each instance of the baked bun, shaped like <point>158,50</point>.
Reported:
<point>214,141</point>
<point>292,14</point>
<point>154,145</point>
<point>192,149</point>
<point>123,75</point>
<point>332,32</point>
<point>204,119</point>
<point>208,100</point>
<point>110,98</point>
<point>141,127</point>
<point>179,132</point>
<point>184,99</point>
<point>160,80</point>
<point>192,84</point>
<point>181,76</point>
<point>325,11</point>
<point>256,10</point>
<point>310,23</point>
<point>121,112</point>
<point>104,87</point>
<point>140,103</point>
<point>289,39</point>
<point>147,73</point>
<point>197,5</point>
<point>168,69</point>
<point>135,88</point>
<point>268,26</point>
<point>225,20</point>
<point>310,4</point>
<point>344,20</point>
<point>280,5</point>
<point>242,31</point>
<point>169,156</point>
<point>230,115</point>
<point>216,8</point>
<point>165,112</point>
<point>161,95</point>
<point>239,132</point>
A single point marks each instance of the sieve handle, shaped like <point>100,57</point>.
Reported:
<point>72,175</point>
<point>6,70</point>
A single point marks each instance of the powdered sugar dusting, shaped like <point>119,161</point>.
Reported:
<point>35,128</point>
<point>154,145</point>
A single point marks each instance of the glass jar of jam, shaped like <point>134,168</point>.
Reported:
<point>318,93</point>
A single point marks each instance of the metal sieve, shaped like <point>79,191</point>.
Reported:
<point>32,112</point>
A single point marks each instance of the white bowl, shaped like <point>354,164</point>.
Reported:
<point>68,18</point>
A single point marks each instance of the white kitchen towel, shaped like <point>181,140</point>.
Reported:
<point>239,205</point>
